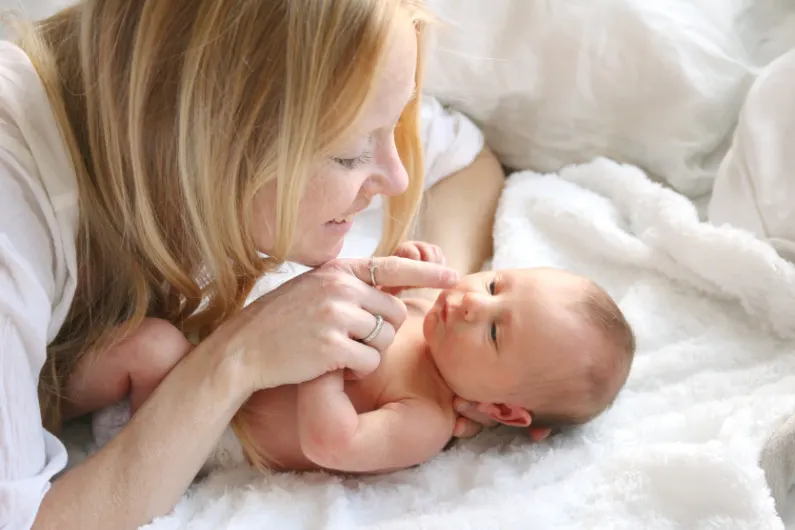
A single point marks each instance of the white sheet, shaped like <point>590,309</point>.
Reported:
<point>680,447</point>
<point>654,83</point>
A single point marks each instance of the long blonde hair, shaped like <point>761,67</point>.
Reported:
<point>175,113</point>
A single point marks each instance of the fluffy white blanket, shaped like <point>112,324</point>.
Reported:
<point>714,376</point>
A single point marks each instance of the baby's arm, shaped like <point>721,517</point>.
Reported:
<point>396,436</point>
<point>133,367</point>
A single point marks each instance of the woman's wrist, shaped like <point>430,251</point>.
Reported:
<point>221,373</point>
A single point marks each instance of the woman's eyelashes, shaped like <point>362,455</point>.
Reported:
<point>354,163</point>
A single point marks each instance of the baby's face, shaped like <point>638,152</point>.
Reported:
<point>497,329</point>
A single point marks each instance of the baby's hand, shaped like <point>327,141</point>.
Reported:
<point>419,251</point>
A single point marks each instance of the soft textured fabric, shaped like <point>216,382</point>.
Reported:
<point>712,379</point>
<point>38,220</point>
<point>655,84</point>
<point>755,187</point>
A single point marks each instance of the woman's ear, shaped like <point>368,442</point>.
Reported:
<point>512,415</point>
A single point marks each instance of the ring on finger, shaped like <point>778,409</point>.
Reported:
<point>379,325</point>
<point>372,272</point>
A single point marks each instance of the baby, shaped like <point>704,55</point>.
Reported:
<point>540,347</point>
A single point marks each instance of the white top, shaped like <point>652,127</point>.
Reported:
<point>38,224</point>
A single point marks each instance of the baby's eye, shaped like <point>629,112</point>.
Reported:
<point>494,332</point>
<point>491,287</point>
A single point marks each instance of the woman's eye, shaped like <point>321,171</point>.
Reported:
<point>494,332</point>
<point>353,163</point>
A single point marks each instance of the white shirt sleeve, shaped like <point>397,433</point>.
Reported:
<point>450,141</point>
<point>38,213</point>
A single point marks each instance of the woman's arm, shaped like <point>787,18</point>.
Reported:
<point>142,473</point>
<point>457,213</point>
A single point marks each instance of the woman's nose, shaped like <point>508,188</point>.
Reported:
<point>393,179</point>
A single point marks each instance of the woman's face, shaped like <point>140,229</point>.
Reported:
<point>367,165</point>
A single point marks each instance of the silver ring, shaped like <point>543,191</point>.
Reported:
<point>379,324</point>
<point>372,271</point>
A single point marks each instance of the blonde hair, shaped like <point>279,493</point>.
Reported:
<point>175,115</point>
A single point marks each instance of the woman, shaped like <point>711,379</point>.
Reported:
<point>151,152</point>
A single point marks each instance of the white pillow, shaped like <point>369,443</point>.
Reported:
<point>655,84</point>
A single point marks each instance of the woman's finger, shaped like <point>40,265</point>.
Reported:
<point>394,271</point>
<point>363,324</point>
<point>392,309</point>
<point>360,360</point>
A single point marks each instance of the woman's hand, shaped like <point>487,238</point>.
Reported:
<point>315,323</point>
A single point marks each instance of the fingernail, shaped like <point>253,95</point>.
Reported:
<point>451,277</point>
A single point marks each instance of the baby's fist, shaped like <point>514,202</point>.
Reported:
<point>419,251</point>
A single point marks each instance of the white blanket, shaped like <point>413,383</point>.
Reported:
<point>713,377</point>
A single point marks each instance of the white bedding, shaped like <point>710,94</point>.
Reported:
<point>681,446</point>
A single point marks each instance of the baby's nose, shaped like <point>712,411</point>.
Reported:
<point>472,307</point>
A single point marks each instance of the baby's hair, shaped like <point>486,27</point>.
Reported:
<point>601,310</point>
<point>605,378</point>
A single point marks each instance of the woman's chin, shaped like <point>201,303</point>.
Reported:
<point>315,257</point>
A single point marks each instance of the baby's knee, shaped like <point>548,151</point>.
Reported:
<point>150,351</point>
<point>158,342</point>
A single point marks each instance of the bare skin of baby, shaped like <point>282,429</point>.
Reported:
<point>512,342</point>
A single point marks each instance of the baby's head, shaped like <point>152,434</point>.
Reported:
<point>541,346</point>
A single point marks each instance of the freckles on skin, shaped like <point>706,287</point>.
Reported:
<point>335,191</point>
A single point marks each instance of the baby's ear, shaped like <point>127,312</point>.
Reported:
<point>512,415</point>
